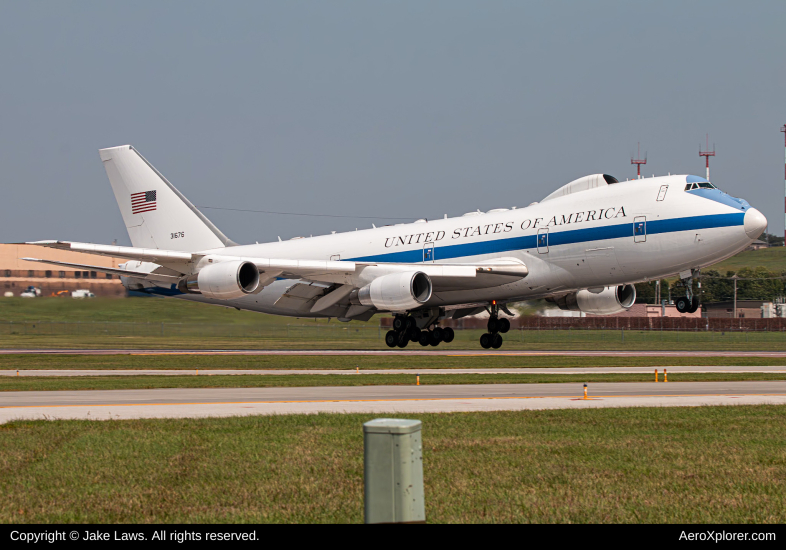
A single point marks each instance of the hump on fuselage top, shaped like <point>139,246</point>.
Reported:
<point>583,184</point>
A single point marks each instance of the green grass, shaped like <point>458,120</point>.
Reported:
<point>351,338</point>
<point>679,465</point>
<point>134,310</point>
<point>150,323</point>
<point>55,383</point>
<point>350,362</point>
<point>773,259</point>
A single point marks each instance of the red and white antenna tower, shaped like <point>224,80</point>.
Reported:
<point>784,181</point>
<point>638,161</point>
<point>707,154</point>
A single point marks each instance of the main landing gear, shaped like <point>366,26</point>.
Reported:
<point>405,330</point>
<point>688,303</point>
<point>492,338</point>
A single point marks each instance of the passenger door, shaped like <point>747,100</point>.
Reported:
<point>428,253</point>
<point>640,229</point>
<point>543,241</point>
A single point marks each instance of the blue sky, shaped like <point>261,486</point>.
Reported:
<point>386,109</point>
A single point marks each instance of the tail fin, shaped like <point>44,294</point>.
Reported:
<point>155,213</point>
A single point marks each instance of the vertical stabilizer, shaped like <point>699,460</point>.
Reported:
<point>155,213</point>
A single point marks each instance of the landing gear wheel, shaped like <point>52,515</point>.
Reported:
<point>448,335</point>
<point>496,341</point>
<point>694,305</point>
<point>493,325</point>
<point>399,323</point>
<point>414,334</point>
<point>504,325</point>
<point>391,338</point>
<point>425,338</point>
<point>485,341</point>
<point>683,304</point>
<point>436,336</point>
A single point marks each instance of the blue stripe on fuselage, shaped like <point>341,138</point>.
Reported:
<point>557,238</point>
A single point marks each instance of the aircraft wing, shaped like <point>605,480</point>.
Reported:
<point>113,270</point>
<point>128,252</point>
<point>444,276</point>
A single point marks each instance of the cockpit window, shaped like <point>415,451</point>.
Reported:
<point>699,185</point>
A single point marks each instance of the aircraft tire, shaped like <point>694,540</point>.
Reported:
<point>448,335</point>
<point>414,334</point>
<point>425,338</point>
<point>436,336</point>
<point>493,325</point>
<point>504,325</point>
<point>398,323</point>
<point>485,341</point>
<point>391,338</point>
<point>682,304</point>
<point>496,341</point>
<point>694,306</point>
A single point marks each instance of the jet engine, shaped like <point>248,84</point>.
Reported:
<point>395,291</point>
<point>599,301</point>
<point>223,281</point>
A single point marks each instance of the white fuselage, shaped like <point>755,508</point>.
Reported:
<point>622,233</point>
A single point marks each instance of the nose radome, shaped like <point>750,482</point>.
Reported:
<point>755,223</point>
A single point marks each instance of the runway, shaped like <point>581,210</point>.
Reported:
<point>395,352</point>
<point>195,403</point>
<point>413,371</point>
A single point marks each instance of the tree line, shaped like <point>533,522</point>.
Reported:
<point>754,283</point>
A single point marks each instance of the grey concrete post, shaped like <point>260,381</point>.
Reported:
<point>393,471</point>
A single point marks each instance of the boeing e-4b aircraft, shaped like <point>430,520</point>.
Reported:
<point>582,247</point>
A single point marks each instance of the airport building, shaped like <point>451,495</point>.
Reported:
<point>746,309</point>
<point>16,274</point>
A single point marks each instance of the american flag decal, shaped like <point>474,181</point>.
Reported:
<point>144,201</point>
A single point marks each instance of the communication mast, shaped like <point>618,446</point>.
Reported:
<point>707,154</point>
<point>638,161</point>
<point>784,181</point>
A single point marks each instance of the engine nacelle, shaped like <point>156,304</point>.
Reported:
<point>396,291</point>
<point>223,281</point>
<point>600,301</point>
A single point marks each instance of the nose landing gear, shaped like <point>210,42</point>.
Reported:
<point>492,338</point>
<point>688,303</point>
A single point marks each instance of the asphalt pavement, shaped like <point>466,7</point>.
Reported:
<point>204,402</point>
